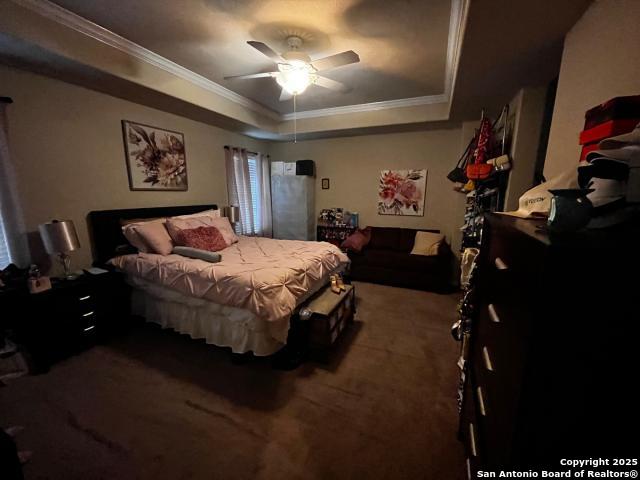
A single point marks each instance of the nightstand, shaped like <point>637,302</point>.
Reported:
<point>73,315</point>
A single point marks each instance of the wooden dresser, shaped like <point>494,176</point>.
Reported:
<point>551,370</point>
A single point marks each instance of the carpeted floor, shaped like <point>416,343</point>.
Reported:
<point>159,405</point>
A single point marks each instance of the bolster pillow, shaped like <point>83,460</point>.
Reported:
<point>206,255</point>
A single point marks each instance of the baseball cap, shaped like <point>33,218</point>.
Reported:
<point>536,202</point>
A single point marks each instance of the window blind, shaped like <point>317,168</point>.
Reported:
<point>4,250</point>
<point>255,194</point>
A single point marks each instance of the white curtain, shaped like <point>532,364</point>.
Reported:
<point>264,181</point>
<point>249,187</point>
<point>11,223</point>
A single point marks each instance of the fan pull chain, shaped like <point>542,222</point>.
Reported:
<point>295,121</point>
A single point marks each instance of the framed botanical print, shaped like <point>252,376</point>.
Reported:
<point>156,158</point>
<point>402,192</point>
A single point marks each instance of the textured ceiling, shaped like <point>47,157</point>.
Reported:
<point>402,43</point>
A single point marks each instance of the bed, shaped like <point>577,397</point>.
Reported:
<point>244,302</point>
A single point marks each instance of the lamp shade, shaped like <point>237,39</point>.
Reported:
<point>232,213</point>
<point>59,236</point>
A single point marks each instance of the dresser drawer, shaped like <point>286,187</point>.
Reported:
<point>512,268</point>
<point>497,408</point>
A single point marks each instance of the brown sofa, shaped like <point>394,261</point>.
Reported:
<point>387,260</point>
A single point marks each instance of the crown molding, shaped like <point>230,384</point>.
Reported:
<point>457,23</point>
<point>457,19</point>
<point>82,25</point>
<point>368,107</point>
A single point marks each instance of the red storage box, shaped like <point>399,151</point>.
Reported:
<point>608,129</point>
<point>617,108</point>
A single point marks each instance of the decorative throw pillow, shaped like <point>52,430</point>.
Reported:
<point>357,240</point>
<point>174,225</point>
<point>206,255</point>
<point>155,236</point>
<point>128,230</point>
<point>427,243</point>
<point>202,238</point>
<point>226,229</point>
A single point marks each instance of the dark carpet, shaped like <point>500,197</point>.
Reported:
<point>155,404</point>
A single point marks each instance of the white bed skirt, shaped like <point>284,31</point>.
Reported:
<point>219,325</point>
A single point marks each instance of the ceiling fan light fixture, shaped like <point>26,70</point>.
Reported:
<point>295,78</point>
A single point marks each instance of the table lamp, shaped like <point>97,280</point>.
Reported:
<point>59,238</point>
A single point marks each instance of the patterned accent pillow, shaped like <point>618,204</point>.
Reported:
<point>202,238</point>
<point>357,240</point>
<point>174,225</point>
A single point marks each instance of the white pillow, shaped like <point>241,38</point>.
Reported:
<point>226,230</point>
<point>214,213</point>
<point>156,237</point>
<point>134,238</point>
<point>427,243</point>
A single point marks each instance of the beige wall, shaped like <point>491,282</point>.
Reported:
<point>353,166</point>
<point>527,112</point>
<point>600,61</point>
<point>66,143</point>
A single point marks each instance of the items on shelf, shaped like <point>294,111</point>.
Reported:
<point>338,217</point>
<point>335,234</point>
<point>461,329</point>
<point>335,225</point>
<point>482,174</point>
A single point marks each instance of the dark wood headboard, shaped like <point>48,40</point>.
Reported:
<point>105,228</point>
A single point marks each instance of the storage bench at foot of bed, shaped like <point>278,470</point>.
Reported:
<point>331,313</point>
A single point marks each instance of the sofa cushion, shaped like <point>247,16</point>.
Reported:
<point>396,260</point>
<point>406,240</point>
<point>384,238</point>
<point>427,243</point>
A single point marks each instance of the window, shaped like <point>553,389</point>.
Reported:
<point>256,194</point>
<point>248,184</point>
<point>4,250</point>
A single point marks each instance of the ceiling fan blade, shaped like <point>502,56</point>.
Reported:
<point>252,75</point>
<point>284,95</point>
<point>334,61</point>
<point>331,84</point>
<point>266,50</point>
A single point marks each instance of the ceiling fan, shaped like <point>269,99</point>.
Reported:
<point>296,71</point>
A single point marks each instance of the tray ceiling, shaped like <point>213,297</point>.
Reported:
<point>402,44</point>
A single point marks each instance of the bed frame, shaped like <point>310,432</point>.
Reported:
<point>105,229</point>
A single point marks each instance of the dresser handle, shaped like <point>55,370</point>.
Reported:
<point>500,265</point>
<point>469,468</point>
<point>472,438</point>
<point>88,329</point>
<point>492,313</point>
<point>87,297</point>
<point>481,402</point>
<point>487,359</point>
<point>88,314</point>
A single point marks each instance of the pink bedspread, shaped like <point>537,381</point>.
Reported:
<point>262,275</point>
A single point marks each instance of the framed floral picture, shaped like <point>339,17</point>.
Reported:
<point>155,157</point>
<point>401,192</point>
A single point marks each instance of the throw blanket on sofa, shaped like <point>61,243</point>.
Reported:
<point>265,276</point>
